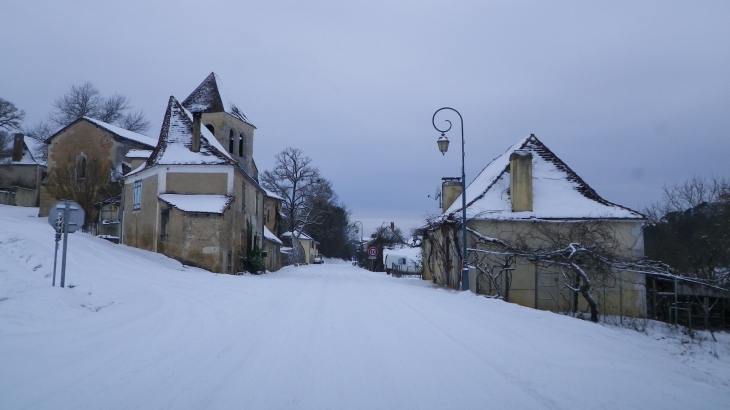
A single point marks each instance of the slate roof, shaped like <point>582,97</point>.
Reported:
<point>176,141</point>
<point>209,98</point>
<point>31,152</point>
<point>302,236</point>
<point>122,133</point>
<point>271,237</point>
<point>117,131</point>
<point>557,191</point>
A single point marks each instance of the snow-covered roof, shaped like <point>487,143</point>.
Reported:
<point>270,236</point>
<point>208,97</point>
<point>31,152</point>
<point>176,140</point>
<point>273,195</point>
<point>415,254</point>
<point>557,191</point>
<point>301,236</point>
<point>139,153</point>
<point>212,204</point>
<point>126,134</point>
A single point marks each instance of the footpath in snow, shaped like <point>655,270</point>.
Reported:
<point>141,331</point>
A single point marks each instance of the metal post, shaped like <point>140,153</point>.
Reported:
<point>57,239</point>
<point>620,298</point>
<point>55,260</point>
<point>464,268</point>
<point>537,288</point>
<point>65,242</point>
<point>676,303</point>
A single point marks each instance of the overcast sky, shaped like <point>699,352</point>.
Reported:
<point>631,95</point>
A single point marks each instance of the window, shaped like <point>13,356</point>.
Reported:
<point>81,167</point>
<point>231,142</point>
<point>137,195</point>
<point>257,203</point>
<point>243,198</point>
<point>164,219</point>
<point>240,145</point>
<point>210,128</point>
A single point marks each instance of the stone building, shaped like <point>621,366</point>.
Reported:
<point>21,171</point>
<point>192,199</point>
<point>304,247</point>
<point>88,140</point>
<point>530,198</point>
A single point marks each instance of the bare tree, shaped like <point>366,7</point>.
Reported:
<point>86,101</point>
<point>6,148</point>
<point>300,184</point>
<point>10,116</point>
<point>112,109</point>
<point>688,229</point>
<point>40,132</point>
<point>587,254</point>
<point>86,182</point>
<point>690,194</point>
<point>135,122</point>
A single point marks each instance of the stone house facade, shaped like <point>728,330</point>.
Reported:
<point>192,199</point>
<point>306,245</point>
<point>528,197</point>
<point>21,171</point>
<point>86,140</point>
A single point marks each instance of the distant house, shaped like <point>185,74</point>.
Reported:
<point>272,226</point>
<point>84,142</point>
<point>306,244</point>
<point>21,171</point>
<point>529,196</point>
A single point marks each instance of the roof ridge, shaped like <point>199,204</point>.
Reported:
<point>532,143</point>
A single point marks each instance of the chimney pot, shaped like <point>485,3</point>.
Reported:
<point>17,147</point>
<point>520,181</point>
<point>450,190</point>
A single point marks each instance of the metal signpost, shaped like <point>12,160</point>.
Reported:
<point>65,217</point>
<point>372,255</point>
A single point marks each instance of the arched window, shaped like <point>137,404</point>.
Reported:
<point>81,167</point>
<point>210,128</point>
<point>231,142</point>
<point>240,145</point>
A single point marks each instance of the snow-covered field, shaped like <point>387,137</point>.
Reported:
<point>141,331</point>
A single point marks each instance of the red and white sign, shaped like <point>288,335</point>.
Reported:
<point>372,252</point>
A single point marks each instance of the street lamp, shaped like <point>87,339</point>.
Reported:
<point>443,144</point>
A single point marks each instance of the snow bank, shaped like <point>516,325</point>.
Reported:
<point>139,330</point>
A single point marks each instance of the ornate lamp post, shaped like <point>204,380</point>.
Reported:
<point>443,144</point>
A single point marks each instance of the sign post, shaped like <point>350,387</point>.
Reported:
<point>372,255</point>
<point>65,217</point>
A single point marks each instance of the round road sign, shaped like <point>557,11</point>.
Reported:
<point>372,252</point>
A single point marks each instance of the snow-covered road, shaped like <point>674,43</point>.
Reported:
<point>141,331</point>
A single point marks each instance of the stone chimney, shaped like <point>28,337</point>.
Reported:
<point>450,190</point>
<point>520,181</point>
<point>17,147</point>
<point>196,132</point>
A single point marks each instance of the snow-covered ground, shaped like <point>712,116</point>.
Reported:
<point>139,330</point>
